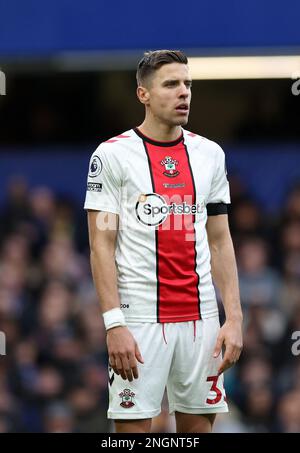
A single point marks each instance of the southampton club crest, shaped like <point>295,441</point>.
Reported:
<point>127,396</point>
<point>170,166</point>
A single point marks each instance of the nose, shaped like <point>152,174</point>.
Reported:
<point>184,91</point>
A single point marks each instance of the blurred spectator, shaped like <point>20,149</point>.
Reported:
<point>259,406</point>
<point>230,422</point>
<point>246,219</point>
<point>16,210</point>
<point>292,207</point>
<point>289,412</point>
<point>290,290</point>
<point>58,418</point>
<point>89,411</point>
<point>291,236</point>
<point>259,283</point>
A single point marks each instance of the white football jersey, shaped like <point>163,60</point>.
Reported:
<point>162,192</point>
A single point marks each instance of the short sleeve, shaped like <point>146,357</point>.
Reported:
<point>219,196</point>
<point>104,182</point>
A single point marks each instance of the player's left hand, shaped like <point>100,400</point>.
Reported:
<point>231,336</point>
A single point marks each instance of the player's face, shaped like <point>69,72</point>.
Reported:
<point>170,94</point>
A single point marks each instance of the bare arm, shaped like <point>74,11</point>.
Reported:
<point>122,348</point>
<point>224,273</point>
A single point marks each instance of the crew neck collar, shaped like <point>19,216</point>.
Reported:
<point>156,142</point>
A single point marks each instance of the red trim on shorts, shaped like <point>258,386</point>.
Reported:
<point>163,332</point>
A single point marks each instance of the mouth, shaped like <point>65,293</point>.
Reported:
<point>182,108</point>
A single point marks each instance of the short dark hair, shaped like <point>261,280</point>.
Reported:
<point>154,59</point>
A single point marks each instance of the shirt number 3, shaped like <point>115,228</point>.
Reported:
<point>215,388</point>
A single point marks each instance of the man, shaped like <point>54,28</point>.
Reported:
<point>157,212</point>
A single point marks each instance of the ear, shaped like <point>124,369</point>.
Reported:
<point>143,95</point>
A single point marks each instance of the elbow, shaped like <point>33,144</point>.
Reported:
<point>101,249</point>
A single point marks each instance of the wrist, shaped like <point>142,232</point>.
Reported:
<point>113,318</point>
<point>237,318</point>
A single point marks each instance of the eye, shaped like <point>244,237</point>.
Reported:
<point>171,83</point>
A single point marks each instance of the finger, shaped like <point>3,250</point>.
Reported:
<point>138,354</point>
<point>129,375</point>
<point>123,376</point>
<point>234,354</point>
<point>223,367</point>
<point>135,372</point>
<point>218,347</point>
<point>230,353</point>
<point>228,360</point>
<point>127,369</point>
<point>120,369</point>
<point>133,366</point>
<point>237,355</point>
<point>112,364</point>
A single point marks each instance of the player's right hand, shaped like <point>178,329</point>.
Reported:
<point>123,352</point>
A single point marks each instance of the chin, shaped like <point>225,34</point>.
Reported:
<point>177,121</point>
<point>182,122</point>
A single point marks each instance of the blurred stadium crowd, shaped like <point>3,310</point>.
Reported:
<point>53,377</point>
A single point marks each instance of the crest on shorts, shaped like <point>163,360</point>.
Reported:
<point>170,166</point>
<point>127,396</point>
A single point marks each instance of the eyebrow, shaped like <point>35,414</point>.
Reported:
<point>175,81</point>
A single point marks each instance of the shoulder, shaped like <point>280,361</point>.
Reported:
<point>202,143</point>
<point>114,144</point>
<point>113,151</point>
<point>109,156</point>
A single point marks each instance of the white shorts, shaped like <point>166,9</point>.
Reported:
<point>178,356</point>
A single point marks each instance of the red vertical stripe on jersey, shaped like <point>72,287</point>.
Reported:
<point>178,281</point>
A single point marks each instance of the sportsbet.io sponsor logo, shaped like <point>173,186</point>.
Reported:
<point>95,167</point>
<point>152,209</point>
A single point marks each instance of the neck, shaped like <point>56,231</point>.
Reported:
<point>159,132</point>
